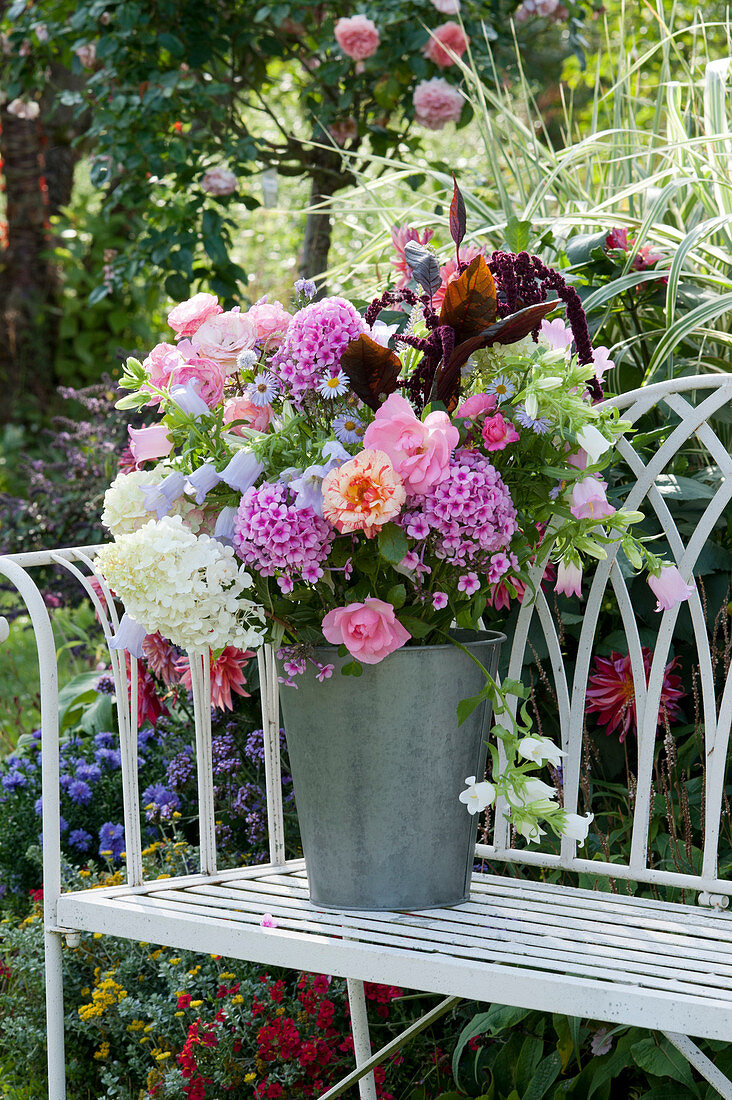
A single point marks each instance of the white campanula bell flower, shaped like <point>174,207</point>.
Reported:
<point>539,750</point>
<point>477,796</point>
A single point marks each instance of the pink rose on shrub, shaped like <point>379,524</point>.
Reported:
<point>209,375</point>
<point>87,54</point>
<point>447,7</point>
<point>446,40</point>
<point>241,408</point>
<point>271,322</point>
<point>357,37</point>
<point>436,102</point>
<point>498,433</point>
<point>370,630</point>
<point>218,181</point>
<point>419,451</point>
<point>159,365</point>
<point>188,317</point>
<point>223,337</point>
<point>475,406</point>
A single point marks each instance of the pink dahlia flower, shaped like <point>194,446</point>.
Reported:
<point>254,416</point>
<point>436,103</point>
<point>186,318</point>
<point>363,494</point>
<point>224,337</point>
<point>207,372</point>
<point>227,675</point>
<point>669,588</point>
<point>419,450</point>
<point>445,42</point>
<point>358,37</point>
<point>611,693</point>
<point>160,657</point>
<point>271,322</point>
<point>370,630</point>
<point>498,433</point>
<point>400,236</point>
<point>218,181</point>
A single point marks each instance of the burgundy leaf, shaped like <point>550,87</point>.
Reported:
<point>469,306</point>
<point>372,370</point>
<point>457,215</point>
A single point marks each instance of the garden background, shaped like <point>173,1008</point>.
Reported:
<point>150,150</point>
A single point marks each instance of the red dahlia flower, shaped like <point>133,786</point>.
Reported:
<point>611,693</point>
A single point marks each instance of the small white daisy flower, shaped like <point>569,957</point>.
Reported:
<point>246,359</point>
<point>263,389</point>
<point>348,428</point>
<point>502,388</point>
<point>333,385</point>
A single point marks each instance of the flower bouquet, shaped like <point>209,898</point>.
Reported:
<point>322,477</point>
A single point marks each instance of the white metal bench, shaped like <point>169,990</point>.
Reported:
<point>598,954</point>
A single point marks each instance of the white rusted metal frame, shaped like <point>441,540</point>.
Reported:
<point>356,950</point>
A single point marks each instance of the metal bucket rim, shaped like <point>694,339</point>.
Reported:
<point>477,638</point>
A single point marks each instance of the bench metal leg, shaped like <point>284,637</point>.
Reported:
<point>55,1017</point>
<point>361,1037</point>
<point>699,1061</point>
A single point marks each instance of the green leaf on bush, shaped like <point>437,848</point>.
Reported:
<point>416,627</point>
<point>176,287</point>
<point>660,1059</point>
<point>392,543</point>
<point>517,234</point>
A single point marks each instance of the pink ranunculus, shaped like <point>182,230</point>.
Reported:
<point>669,588</point>
<point>218,181</point>
<point>370,630</point>
<point>363,494</point>
<point>241,408</point>
<point>207,372</point>
<point>271,322</point>
<point>475,406</point>
<point>569,579</point>
<point>147,443</point>
<point>447,7</point>
<point>186,318</point>
<point>343,130</point>
<point>498,433</point>
<point>419,451</point>
<point>224,337</point>
<point>589,500</point>
<point>436,102</point>
<point>159,365</point>
<point>446,41</point>
<point>358,37</point>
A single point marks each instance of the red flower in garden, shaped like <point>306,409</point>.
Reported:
<point>227,675</point>
<point>611,692</point>
<point>149,706</point>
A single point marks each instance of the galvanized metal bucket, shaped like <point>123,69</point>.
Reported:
<point>378,762</point>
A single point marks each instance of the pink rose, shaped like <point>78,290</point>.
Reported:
<point>475,406</point>
<point>447,7</point>
<point>188,317</point>
<point>497,433</point>
<point>357,37</point>
<point>446,41</point>
<point>207,372</point>
<point>223,337</point>
<point>370,630</point>
<point>159,365</point>
<point>436,103</point>
<point>87,54</point>
<point>271,322</point>
<point>669,588</point>
<point>218,181</point>
<point>255,416</point>
<point>589,500</point>
<point>420,452</point>
<point>147,443</point>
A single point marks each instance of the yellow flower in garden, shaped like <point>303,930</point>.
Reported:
<point>249,1077</point>
<point>103,1053</point>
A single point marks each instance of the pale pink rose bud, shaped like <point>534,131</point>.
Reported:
<point>149,443</point>
<point>569,579</point>
<point>224,336</point>
<point>370,630</point>
<point>447,7</point>
<point>669,588</point>
<point>218,181</point>
<point>87,54</point>
<point>436,102</point>
<point>419,451</point>
<point>357,37</point>
<point>271,322</point>
<point>589,500</point>
<point>254,416</point>
<point>186,318</point>
<point>475,406</point>
<point>26,109</point>
<point>446,41</point>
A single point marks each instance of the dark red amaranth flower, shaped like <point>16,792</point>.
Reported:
<point>611,693</point>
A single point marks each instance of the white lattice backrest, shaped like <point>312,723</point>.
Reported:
<point>712,393</point>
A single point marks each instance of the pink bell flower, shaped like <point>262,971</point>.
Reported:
<point>569,579</point>
<point>669,588</point>
<point>589,500</point>
<point>149,443</point>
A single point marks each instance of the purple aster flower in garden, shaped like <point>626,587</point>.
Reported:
<point>181,769</point>
<point>306,287</point>
<point>111,840</point>
<point>159,801</point>
<point>90,773</point>
<point>145,736</point>
<point>262,391</point>
<point>80,839</point>
<point>105,684</point>
<point>316,338</point>
<point>108,758</point>
<point>104,739</point>
<point>80,792</point>
<point>348,428</point>
<point>38,806</point>
<point>541,425</point>
<point>226,758</point>
<point>14,781</point>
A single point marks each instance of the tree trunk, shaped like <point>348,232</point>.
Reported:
<point>327,177</point>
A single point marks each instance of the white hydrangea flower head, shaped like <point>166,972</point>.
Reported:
<point>124,505</point>
<point>188,587</point>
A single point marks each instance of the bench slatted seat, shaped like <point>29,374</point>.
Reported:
<point>601,953</point>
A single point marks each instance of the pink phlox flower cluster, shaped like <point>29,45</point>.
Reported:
<point>401,235</point>
<point>316,338</point>
<point>295,660</point>
<point>470,511</point>
<point>278,539</point>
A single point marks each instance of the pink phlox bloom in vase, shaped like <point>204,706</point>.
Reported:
<point>446,42</point>
<point>185,319</point>
<point>370,630</point>
<point>589,500</point>
<point>358,37</point>
<point>149,443</point>
<point>419,450</point>
<point>498,433</point>
<point>363,494</point>
<point>669,588</point>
